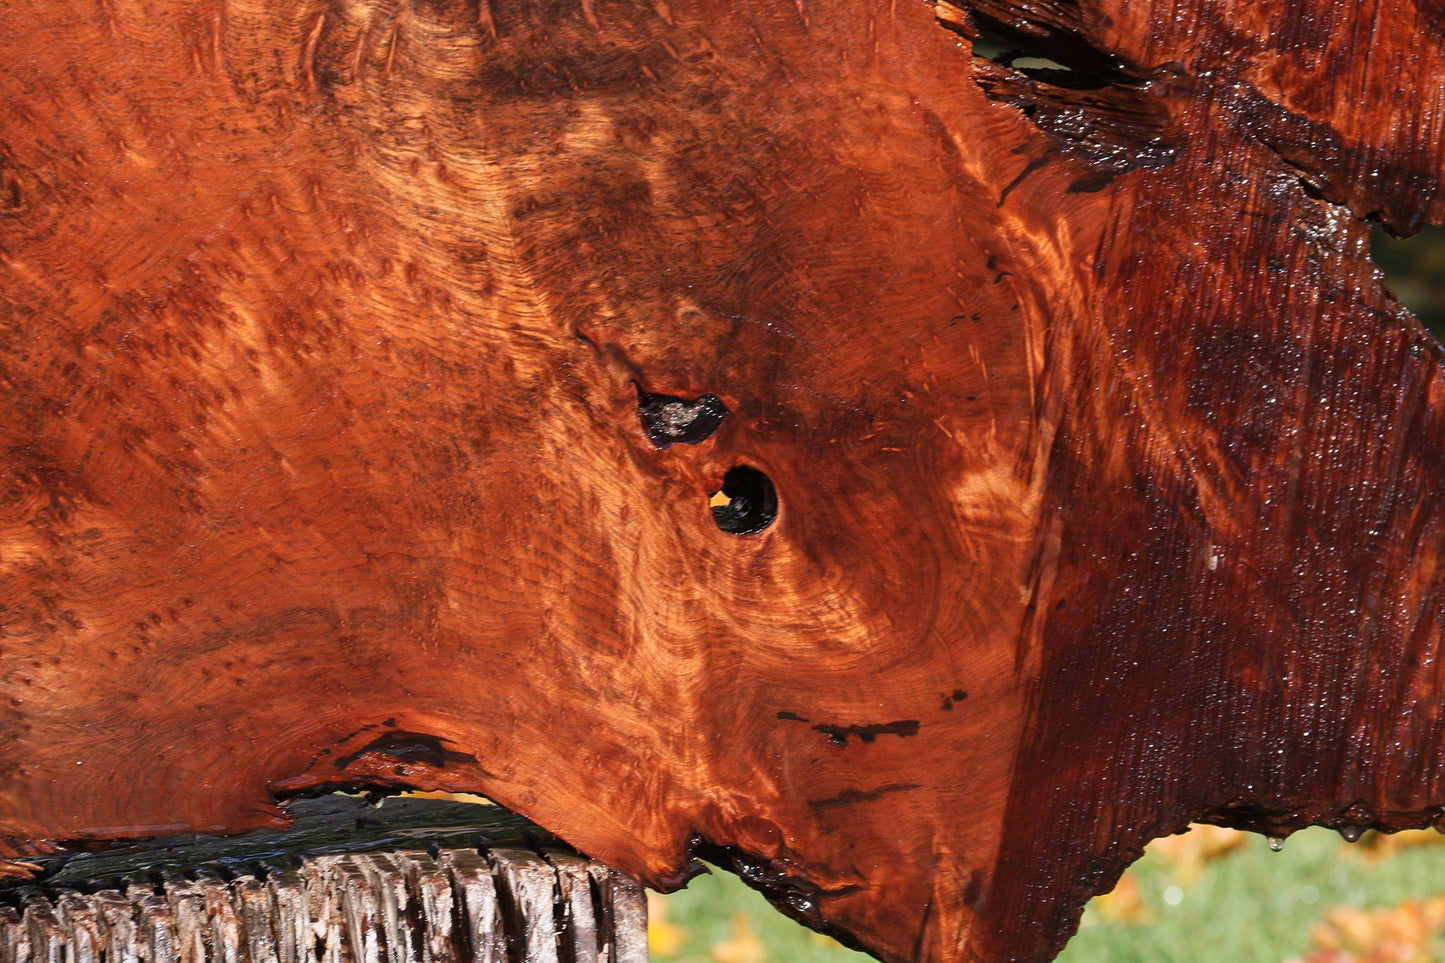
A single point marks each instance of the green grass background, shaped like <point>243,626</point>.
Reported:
<point>1248,906</point>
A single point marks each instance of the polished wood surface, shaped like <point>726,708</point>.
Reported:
<point>369,372</point>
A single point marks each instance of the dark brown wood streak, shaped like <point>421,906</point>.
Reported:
<point>337,345</point>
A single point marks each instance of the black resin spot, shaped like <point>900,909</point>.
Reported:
<point>667,419</point>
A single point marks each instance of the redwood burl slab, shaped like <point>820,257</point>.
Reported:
<point>368,369</point>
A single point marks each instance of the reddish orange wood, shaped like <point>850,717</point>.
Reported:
<point>343,342</point>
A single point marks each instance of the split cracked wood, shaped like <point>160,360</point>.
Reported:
<point>369,368</point>
<point>261,899</point>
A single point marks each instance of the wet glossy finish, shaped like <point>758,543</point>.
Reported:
<point>1107,475</point>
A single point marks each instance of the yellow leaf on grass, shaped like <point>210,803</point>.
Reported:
<point>1188,852</point>
<point>1377,846</point>
<point>465,797</point>
<point>742,946</point>
<point>1123,905</point>
<point>663,937</point>
<point>1410,932</point>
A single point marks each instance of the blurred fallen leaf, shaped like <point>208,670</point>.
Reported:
<point>663,937</point>
<point>465,797</point>
<point>1123,905</point>
<point>1377,846</point>
<point>742,946</point>
<point>1188,852</point>
<point>1412,932</point>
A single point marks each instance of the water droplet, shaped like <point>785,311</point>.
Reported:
<point>1173,896</point>
<point>1351,834</point>
<point>1276,844</point>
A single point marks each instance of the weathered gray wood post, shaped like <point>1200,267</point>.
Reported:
<point>418,882</point>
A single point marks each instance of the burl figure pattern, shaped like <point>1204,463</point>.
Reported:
<point>368,369</point>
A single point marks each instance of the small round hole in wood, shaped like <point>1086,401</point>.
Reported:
<point>747,503</point>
